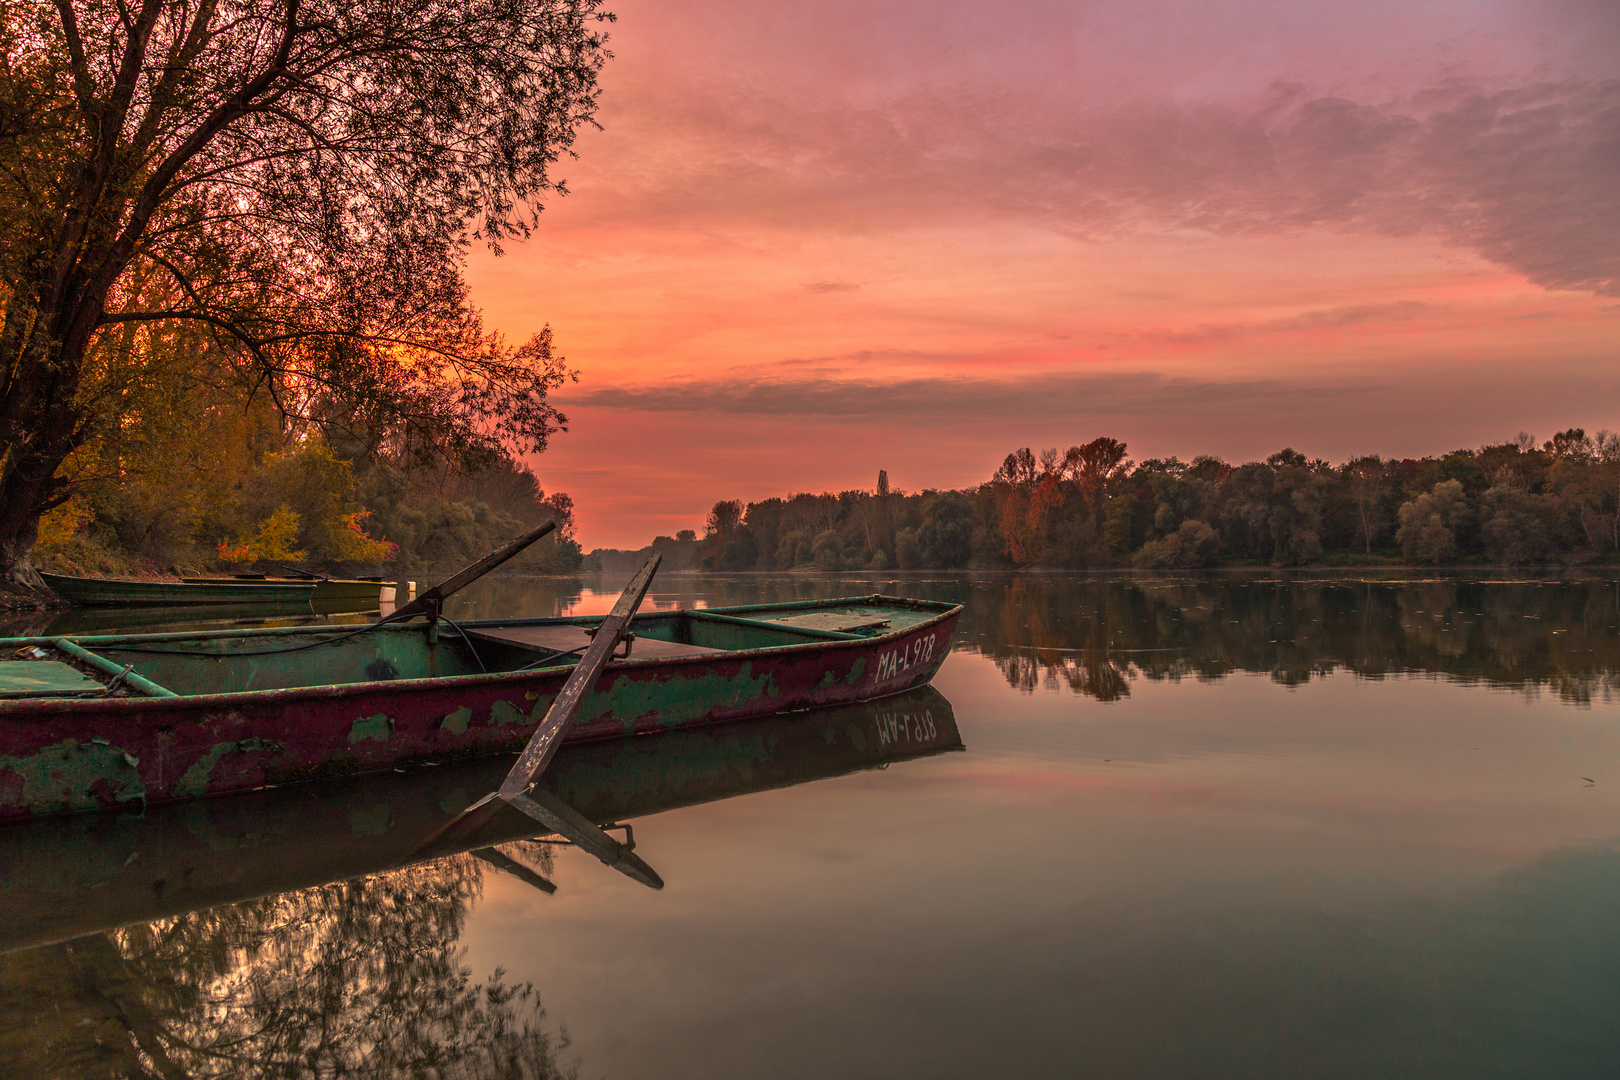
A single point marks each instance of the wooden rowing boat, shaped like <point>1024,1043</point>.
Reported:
<point>325,588</point>
<point>119,592</point>
<point>69,876</point>
<point>206,713</point>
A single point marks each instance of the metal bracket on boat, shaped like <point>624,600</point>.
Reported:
<point>626,639</point>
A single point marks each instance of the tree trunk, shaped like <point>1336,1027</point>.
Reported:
<point>42,426</point>
<point>28,488</point>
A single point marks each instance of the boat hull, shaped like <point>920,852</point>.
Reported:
<point>59,756</point>
<point>114,592</point>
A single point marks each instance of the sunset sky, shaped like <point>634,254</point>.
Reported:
<point>814,240</point>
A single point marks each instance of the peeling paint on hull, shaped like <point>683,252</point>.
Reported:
<point>157,750</point>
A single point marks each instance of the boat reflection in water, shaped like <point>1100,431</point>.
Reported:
<point>292,931</point>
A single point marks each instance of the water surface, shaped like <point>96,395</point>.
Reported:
<point>1205,826</point>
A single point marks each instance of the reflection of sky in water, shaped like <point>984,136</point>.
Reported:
<point>1271,830</point>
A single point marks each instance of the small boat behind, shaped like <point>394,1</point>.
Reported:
<point>121,592</point>
<point>325,588</point>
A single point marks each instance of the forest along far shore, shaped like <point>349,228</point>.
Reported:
<point>1515,503</point>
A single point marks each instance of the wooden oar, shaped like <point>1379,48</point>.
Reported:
<point>429,603</point>
<point>518,789</point>
<point>612,629</point>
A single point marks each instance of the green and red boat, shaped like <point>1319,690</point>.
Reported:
<point>114,721</point>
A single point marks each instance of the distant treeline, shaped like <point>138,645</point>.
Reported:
<point>1511,503</point>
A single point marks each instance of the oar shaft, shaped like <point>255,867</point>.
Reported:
<point>543,744</point>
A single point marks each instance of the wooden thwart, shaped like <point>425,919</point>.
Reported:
<point>44,678</point>
<point>843,622</point>
<point>564,639</point>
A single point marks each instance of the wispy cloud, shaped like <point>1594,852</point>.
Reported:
<point>935,401</point>
<point>1521,173</point>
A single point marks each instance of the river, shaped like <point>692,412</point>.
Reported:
<point>1209,825</point>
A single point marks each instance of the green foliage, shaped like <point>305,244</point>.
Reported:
<point>230,173</point>
<point>304,502</point>
<point>443,521</point>
<point>1192,545</point>
<point>946,535</point>
<point>1428,524</point>
<point>1514,524</point>
<point>274,540</point>
<point>907,552</point>
<point>828,551</point>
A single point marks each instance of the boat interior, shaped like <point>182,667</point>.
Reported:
<point>240,661</point>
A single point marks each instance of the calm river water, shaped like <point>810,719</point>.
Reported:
<point>1204,826</point>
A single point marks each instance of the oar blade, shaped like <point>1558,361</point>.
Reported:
<point>502,861</point>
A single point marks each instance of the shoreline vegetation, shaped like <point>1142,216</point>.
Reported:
<point>1519,503</point>
<point>212,498</point>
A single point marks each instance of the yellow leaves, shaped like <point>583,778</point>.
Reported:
<point>273,542</point>
<point>58,527</point>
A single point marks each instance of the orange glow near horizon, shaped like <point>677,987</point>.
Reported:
<point>1308,237</point>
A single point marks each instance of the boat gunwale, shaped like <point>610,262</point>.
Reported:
<point>24,709</point>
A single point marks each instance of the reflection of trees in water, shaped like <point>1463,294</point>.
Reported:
<point>354,979</point>
<point>1096,636</point>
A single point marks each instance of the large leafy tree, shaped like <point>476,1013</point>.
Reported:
<point>297,180</point>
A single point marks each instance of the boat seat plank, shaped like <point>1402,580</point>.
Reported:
<point>843,622</point>
<point>566,638</point>
<point>44,678</point>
